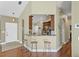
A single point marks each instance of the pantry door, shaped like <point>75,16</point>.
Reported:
<point>10,32</point>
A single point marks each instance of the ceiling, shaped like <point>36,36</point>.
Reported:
<point>65,6</point>
<point>12,8</point>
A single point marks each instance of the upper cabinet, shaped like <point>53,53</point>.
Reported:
<point>41,24</point>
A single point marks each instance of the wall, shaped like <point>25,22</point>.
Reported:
<point>24,16</point>
<point>45,8</point>
<point>65,29</point>
<point>3,20</point>
<point>75,31</point>
<point>58,29</point>
<point>61,39</point>
<point>41,8</point>
<point>0,31</point>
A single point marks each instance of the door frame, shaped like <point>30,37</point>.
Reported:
<point>5,31</point>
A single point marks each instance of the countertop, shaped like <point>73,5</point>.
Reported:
<point>40,35</point>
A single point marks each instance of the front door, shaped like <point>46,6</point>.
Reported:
<point>10,32</point>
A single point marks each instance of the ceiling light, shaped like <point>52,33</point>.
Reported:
<point>20,2</point>
<point>13,19</point>
<point>13,15</point>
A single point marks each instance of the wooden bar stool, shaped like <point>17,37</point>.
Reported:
<point>34,46</point>
<point>26,51</point>
<point>24,42</point>
<point>47,47</point>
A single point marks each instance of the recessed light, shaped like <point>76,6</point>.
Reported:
<point>13,19</point>
<point>20,2</point>
<point>13,13</point>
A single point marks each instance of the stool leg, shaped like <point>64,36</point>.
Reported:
<point>34,46</point>
<point>36,50</point>
<point>31,50</point>
<point>49,49</point>
<point>44,53</point>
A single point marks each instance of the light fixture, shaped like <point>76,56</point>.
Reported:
<point>13,17</point>
<point>20,2</point>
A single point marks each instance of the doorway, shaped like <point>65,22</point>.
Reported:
<point>66,29</point>
<point>10,32</point>
<point>22,30</point>
<point>66,34</point>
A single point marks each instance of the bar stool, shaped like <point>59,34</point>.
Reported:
<point>24,42</point>
<point>34,46</point>
<point>26,51</point>
<point>47,47</point>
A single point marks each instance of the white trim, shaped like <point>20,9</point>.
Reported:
<point>58,48</point>
<point>8,42</point>
<point>42,50</point>
<point>27,47</point>
<point>66,41</point>
<point>19,41</point>
<point>4,43</point>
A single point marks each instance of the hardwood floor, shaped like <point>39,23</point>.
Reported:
<point>65,51</point>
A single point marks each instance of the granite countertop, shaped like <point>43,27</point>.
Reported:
<point>39,35</point>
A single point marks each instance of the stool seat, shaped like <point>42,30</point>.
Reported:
<point>34,42</point>
<point>24,48</point>
<point>47,42</point>
<point>24,40</point>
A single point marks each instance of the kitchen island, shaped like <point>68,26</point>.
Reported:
<point>40,41</point>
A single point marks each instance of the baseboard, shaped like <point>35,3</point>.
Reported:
<point>19,41</point>
<point>42,50</point>
<point>66,42</point>
<point>8,42</point>
<point>58,48</point>
<point>4,45</point>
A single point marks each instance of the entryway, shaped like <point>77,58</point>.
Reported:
<point>10,32</point>
<point>66,32</point>
<point>11,37</point>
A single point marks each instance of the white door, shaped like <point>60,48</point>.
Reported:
<point>10,32</point>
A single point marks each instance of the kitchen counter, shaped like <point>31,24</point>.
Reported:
<point>39,35</point>
<point>40,40</point>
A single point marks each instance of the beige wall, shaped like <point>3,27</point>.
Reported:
<point>67,30</point>
<point>75,31</point>
<point>58,28</point>
<point>3,20</point>
<point>47,8</point>
<point>0,31</point>
<point>43,8</point>
<point>66,27</point>
<point>24,16</point>
<point>37,8</point>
